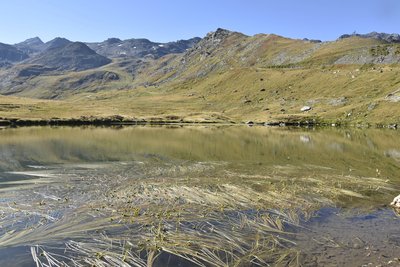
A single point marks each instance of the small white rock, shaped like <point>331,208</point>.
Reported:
<point>396,202</point>
<point>305,108</point>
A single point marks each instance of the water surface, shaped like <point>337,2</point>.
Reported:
<point>195,195</point>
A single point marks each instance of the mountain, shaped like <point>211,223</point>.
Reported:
<point>8,53</point>
<point>60,56</point>
<point>223,51</point>
<point>65,55</point>
<point>389,38</point>
<point>31,46</point>
<point>114,47</point>
<point>56,43</point>
<point>225,75</point>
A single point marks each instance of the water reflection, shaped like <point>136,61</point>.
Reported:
<point>326,147</point>
<point>213,184</point>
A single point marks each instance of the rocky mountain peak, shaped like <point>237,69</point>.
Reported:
<point>210,42</point>
<point>72,56</point>
<point>139,48</point>
<point>218,35</point>
<point>387,37</point>
<point>113,41</point>
<point>31,46</point>
<point>32,41</point>
<point>9,53</point>
<point>78,47</point>
<point>57,42</point>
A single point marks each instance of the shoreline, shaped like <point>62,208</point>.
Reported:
<point>120,121</point>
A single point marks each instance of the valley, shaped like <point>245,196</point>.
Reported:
<point>224,77</point>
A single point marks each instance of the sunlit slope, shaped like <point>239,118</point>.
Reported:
<point>228,76</point>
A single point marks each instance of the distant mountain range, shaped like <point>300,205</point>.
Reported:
<point>11,54</point>
<point>224,75</point>
<point>55,54</point>
<point>26,66</point>
<point>58,52</point>
<point>386,37</point>
<point>114,47</point>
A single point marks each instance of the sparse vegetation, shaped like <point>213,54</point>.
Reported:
<point>225,211</point>
<point>397,51</point>
<point>215,89</point>
<point>380,50</point>
<point>201,221</point>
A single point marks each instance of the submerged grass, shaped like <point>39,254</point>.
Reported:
<point>151,212</point>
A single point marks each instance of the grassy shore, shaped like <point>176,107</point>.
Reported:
<point>336,94</point>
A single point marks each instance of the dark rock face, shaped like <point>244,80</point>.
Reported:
<point>114,47</point>
<point>31,46</point>
<point>212,41</point>
<point>5,65</point>
<point>315,41</point>
<point>218,35</point>
<point>33,70</point>
<point>390,38</point>
<point>98,76</point>
<point>56,43</point>
<point>9,53</point>
<point>72,56</point>
<point>86,81</point>
<point>111,41</point>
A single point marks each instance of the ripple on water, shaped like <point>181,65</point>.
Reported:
<point>351,238</point>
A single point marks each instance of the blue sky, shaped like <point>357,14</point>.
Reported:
<point>169,20</point>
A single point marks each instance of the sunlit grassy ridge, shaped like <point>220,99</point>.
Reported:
<point>231,77</point>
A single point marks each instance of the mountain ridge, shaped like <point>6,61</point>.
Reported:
<point>387,37</point>
<point>10,54</point>
<point>75,56</point>
<point>225,74</point>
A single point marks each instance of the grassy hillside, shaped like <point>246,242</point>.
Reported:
<point>228,76</point>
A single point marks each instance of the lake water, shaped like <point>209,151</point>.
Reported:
<point>198,196</point>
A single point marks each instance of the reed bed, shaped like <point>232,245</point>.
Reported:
<point>144,212</point>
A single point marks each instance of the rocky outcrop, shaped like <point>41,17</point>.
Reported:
<point>98,77</point>
<point>33,70</point>
<point>9,53</point>
<point>56,43</point>
<point>393,96</point>
<point>387,37</point>
<point>31,46</point>
<point>211,41</point>
<point>396,203</point>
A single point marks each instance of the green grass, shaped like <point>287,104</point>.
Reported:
<point>263,78</point>
<point>222,97</point>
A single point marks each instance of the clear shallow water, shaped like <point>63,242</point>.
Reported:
<point>327,190</point>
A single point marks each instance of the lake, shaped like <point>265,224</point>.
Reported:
<point>198,196</point>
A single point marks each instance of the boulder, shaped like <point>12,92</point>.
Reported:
<point>305,108</point>
<point>396,202</point>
